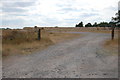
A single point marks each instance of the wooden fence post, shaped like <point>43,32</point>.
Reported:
<point>112,33</point>
<point>39,34</point>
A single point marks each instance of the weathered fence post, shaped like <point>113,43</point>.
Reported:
<point>112,33</point>
<point>39,34</point>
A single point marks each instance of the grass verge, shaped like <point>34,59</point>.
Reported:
<point>17,42</point>
<point>111,46</point>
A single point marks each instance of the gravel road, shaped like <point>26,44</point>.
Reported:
<point>83,57</point>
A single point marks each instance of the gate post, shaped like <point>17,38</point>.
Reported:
<point>39,34</point>
<point>112,33</point>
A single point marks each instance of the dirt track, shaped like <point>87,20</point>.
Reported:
<point>78,58</point>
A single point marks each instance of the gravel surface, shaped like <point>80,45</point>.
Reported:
<point>83,57</point>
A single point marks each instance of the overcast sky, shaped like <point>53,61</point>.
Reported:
<point>22,13</point>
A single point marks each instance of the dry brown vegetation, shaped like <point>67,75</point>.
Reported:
<point>25,41</point>
<point>60,37</point>
<point>21,41</point>
<point>112,45</point>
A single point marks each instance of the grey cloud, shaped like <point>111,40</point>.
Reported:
<point>69,9</point>
<point>111,8</point>
<point>51,20</point>
<point>13,9</point>
<point>12,22</point>
<point>119,5</point>
<point>94,10</point>
<point>89,14</point>
<point>72,21</point>
<point>16,14</point>
<point>18,4</point>
<point>64,5</point>
<point>17,0</point>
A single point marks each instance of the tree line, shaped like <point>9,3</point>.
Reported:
<point>115,22</point>
<point>101,24</point>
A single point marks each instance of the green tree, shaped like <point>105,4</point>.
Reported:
<point>79,25</point>
<point>116,19</point>
<point>95,24</point>
<point>112,24</point>
<point>88,25</point>
<point>103,24</point>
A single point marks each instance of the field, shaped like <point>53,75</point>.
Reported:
<point>61,53</point>
<point>25,41</point>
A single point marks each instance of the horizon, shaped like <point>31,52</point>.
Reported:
<point>18,14</point>
<point>46,26</point>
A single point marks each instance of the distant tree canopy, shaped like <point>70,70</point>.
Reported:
<point>8,29</point>
<point>79,25</point>
<point>115,22</point>
<point>35,26</point>
<point>56,26</point>
<point>112,24</point>
<point>103,24</point>
<point>95,24</point>
<point>88,25</point>
<point>116,19</point>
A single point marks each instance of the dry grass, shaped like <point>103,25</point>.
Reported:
<point>112,45</point>
<point>105,31</point>
<point>25,48</point>
<point>60,37</point>
<point>25,41</point>
<point>81,29</point>
<point>18,36</point>
<point>22,42</point>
